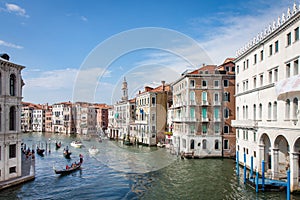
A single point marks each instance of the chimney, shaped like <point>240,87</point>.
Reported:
<point>163,85</point>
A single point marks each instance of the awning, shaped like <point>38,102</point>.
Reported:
<point>288,87</point>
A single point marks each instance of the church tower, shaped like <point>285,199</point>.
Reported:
<point>124,90</point>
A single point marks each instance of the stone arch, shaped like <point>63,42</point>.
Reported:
<point>281,144</point>
<point>265,144</point>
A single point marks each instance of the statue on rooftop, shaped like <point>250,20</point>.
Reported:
<point>278,21</point>
<point>288,13</point>
<point>282,18</point>
<point>294,8</point>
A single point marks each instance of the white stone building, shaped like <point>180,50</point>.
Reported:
<point>267,99</point>
<point>38,120</point>
<point>10,119</point>
<point>85,118</point>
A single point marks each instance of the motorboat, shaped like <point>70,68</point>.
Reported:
<point>93,150</point>
<point>76,144</point>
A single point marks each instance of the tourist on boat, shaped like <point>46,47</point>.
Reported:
<point>67,166</point>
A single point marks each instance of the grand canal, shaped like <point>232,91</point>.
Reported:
<point>122,172</point>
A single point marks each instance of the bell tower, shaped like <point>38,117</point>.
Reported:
<point>124,90</point>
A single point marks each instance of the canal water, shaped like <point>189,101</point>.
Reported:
<point>130,172</point>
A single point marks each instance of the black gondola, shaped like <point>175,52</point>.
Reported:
<point>75,166</point>
<point>67,154</point>
<point>58,145</point>
<point>69,170</point>
<point>40,151</point>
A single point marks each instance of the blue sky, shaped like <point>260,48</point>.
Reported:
<point>54,38</point>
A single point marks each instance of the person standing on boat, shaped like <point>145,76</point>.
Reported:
<point>80,158</point>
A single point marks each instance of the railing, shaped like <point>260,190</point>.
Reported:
<point>204,103</point>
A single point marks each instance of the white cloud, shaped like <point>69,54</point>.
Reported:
<point>11,45</point>
<point>13,8</point>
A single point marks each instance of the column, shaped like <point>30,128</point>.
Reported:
<point>261,156</point>
<point>274,163</point>
<point>294,168</point>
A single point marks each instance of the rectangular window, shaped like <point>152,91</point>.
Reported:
<point>244,65</point>
<point>270,76</point>
<point>226,144</point>
<point>217,128</point>
<point>254,82</point>
<point>204,84</point>
<point>296,31</point>
<point>254,136</point>
<point>261,77</point>
<point>216,98</point>
<point>288,39</point>
<point>12,170</point>
<point>296,69</point>
<point>270,49</point>
<point>226,129</point>
<point>226,83</point>
<point>276,46</point>
<point>216,113</point>
<point>153,101</point>
<point>275,75</point>
<point>204,113</point>
<point>288,70</point>
<point>226,113</point>
<point>247,64</point>
<point>261,55</point>
<point>255,59</point>
<point>192,83</point>
<point>12,150</point>
<point>216,84</point>
<point>204,128</point>
<point>238,69</point>
<point>192,113</point>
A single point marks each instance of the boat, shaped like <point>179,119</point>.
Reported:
<point>58,145</point>
<point>76,144</point>
<point>67,154</point>
<point>93,150</point>
<point>161,145</point>
<point>40,151</point>
<point>69,169</point>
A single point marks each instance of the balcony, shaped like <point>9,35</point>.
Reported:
<point>217,103</point>
<point>205,119</point>
<point>217,120</point>
<point>204,103</point>
<point>244,123</point>
<point>193,102</point>
<point>185,119</point>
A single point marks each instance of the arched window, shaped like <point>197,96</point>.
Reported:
<point>204,144</point>
<point>246,112</point>
<point>192,144</point>
<point>12,118</point>
<point>269,110</point>
<point>12,85</point>
<point>216,144</point>
<point>254,112</point>
<point>260,111</point>
<point>204,97</point>
<point>275,111</point>
<point>295,108</point>
<point>237,113</point>
<point>287,109</point>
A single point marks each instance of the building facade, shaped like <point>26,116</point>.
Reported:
<point>203,107</point>
<point>151,114</point>
<point>267,99</point>
<point>10,120</point>
<point>38,120</point>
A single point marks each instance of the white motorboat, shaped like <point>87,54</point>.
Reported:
<point>76,144</point>
<point>93,150</point>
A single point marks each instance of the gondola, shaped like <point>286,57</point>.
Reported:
<point>75,166</point>
<point>67,154</point>
<point>40,151</point>
<point>69,170</point>
<point>58,145</point>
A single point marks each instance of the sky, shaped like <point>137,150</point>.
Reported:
<point>82,50</point>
